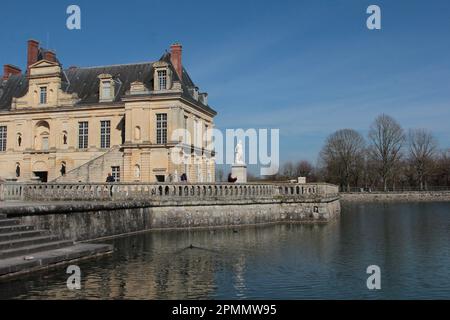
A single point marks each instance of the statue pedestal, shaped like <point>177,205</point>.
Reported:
<point>239,171</point>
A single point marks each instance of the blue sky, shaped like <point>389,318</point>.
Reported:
<point>305,67</point>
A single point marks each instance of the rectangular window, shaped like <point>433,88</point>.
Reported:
<point>83,132</point>
<point>43,95</point>
<point>106,90</point>
<point>105,134</point>
<point>162,79</point>
<point>161,128</point>
<point>44,143</point>
<point>115,172</point>
<point>3,136</point>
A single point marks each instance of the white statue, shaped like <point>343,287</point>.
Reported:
<point>239,154</point>
<point>137,171</point>
<point>175,176</point>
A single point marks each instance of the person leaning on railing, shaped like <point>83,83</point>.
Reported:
<point>110,179</point>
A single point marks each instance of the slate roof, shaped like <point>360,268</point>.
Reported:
<point>85,82</point>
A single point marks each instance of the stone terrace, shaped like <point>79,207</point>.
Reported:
<point>168,192</point>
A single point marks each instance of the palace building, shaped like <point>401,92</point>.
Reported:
<point>81,123</point>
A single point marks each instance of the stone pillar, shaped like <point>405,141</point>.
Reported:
<point>52,168</point>
<point>212,168</point>
<point>127,175</point>
<point>239,171</point>
<point>129,125</point>
<point>145,166</point>
<point>26,168</point>
<point>173,123</point>
<point>94,133</point>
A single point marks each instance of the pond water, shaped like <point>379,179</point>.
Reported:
<point>410,242</point>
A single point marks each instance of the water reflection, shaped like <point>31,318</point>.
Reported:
<point>410,242</point>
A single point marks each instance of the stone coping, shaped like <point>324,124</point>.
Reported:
<point>42,208</point>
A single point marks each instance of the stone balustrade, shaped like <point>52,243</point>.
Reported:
<point>11,191</point>
<point>161,191</point>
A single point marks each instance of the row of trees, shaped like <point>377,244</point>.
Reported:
<point>390,159</point>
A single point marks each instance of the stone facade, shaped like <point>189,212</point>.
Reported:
<point>79,124</point>
<point>96,169</point>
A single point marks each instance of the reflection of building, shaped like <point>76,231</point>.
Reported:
<point>147,266</point>
<point>80,124</point>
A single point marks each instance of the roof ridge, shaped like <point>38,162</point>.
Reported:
<point>114,65</point>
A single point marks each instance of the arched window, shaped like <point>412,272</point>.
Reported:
<point>41,140</point>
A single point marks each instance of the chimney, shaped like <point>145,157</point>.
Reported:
<point>32,54</point>
<point>50,55</point>
<point>9,69</point>
<point>175,58</point>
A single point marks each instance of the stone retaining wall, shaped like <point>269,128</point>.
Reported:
<point>88,221</point>
<point>396,196</point>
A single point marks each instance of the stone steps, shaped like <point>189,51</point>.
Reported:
<point>28,250</point>
<point>24,249</point>
<point>17,228</point>
<point>28,241</point>
<point>15,266</point>
<point>9,222</point>
<point>22,234</point>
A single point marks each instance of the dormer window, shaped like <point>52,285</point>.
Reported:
<point>195,93</point>
<point>162,76</point>
<point>43,95</point>
<point>106,88</point>
<point>162,79</point>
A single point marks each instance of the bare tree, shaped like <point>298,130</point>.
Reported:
<point>387,138</point>
<point>422,149</point>
<point>343,156</point>
<point>443,168</point>
<point>304,169</point>
<point>288,171</point>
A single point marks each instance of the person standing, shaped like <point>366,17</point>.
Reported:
<point>110,178</point>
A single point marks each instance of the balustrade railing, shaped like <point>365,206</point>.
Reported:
<point>160,191</point>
